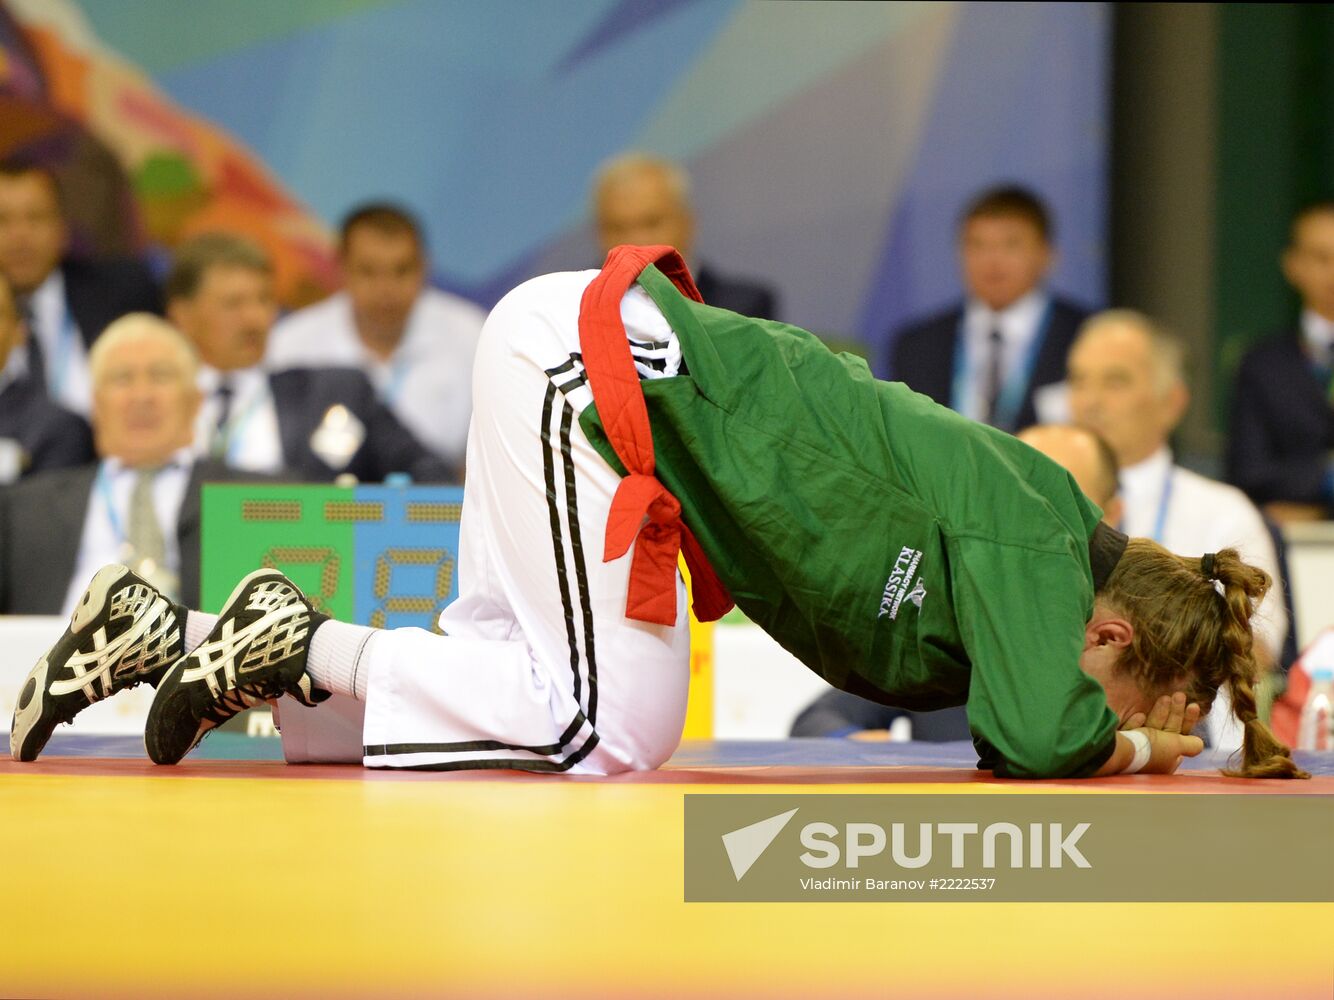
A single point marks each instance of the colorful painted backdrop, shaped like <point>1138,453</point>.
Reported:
<point>831,144</point>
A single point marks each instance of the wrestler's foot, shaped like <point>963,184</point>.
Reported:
<point>255,653</point>
<point>123,632</point>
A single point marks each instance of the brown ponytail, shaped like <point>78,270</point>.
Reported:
<point>1192,636</point>
<point>1262,755</point>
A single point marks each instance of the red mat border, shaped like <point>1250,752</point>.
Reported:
<point>1194,784</point>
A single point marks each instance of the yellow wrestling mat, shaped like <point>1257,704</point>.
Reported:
<point>186,882</point>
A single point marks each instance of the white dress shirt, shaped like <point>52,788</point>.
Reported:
<point>105,526</point>
<point>1200,515</point>
<point>63,354</point>
<point>426,382</point>
<point>1318,336</point>
<point>249,438</point>
<point>1019,325</point>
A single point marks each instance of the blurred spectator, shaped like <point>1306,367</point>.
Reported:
<point>139,505</point>
<point>644,201</point>
<point>1281,450</point>
<point>416,343</point>
<point>318,423</point>
<point>65,302</point>
<point>998,356</point>
<point>1087,457</point>
<point>837,713</point>
<point>1127,382</point>
<point>35,433</point>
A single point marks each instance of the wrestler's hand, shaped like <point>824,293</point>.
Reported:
<point>1170,714</point>
<point>1165,752</point>
<point>1167,748</point>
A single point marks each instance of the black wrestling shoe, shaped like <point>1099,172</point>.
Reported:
<point>123,632</point>
<point>255,653</point>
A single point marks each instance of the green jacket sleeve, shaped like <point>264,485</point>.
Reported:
<point>1021,614</point>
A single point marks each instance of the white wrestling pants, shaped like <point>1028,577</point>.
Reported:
<point>539,669</point>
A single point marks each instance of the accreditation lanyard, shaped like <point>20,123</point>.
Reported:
<point>1011,399</point>
<point>398,373</point>
<point>232,433</point>
<point>109,502</point>
<point>57,372</point>
<point>159,576</point>
<point>1164,502</point>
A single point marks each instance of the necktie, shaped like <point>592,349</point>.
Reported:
<point>225,392</point>
<point>36,362</point>
<point>145,533</point>
<point>991,383</point>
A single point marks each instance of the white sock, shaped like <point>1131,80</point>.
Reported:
<point>197,627</point>
<point>340,658</point>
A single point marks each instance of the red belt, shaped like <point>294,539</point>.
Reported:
<point>643,512</point>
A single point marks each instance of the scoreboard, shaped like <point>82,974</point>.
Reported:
<point>384,556</point>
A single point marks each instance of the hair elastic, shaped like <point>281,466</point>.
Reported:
<point>1207,565</point>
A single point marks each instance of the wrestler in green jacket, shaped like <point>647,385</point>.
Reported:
<point>899,550</point>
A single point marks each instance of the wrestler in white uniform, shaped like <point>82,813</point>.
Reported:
<point>541,669</point>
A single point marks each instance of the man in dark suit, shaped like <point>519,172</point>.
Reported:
<point>138,505</point>
<point>998,356</point>
<point>35,434</point>
<point>645,201</point>
<point>1281,449</point>
<point>66,302</point>
<point>319,423</point>
<point>749,298</point>
<point>42,519</point>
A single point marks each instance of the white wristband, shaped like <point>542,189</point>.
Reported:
<point>1142,750</point>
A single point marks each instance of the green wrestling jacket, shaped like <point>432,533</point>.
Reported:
<point>899,550</point>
